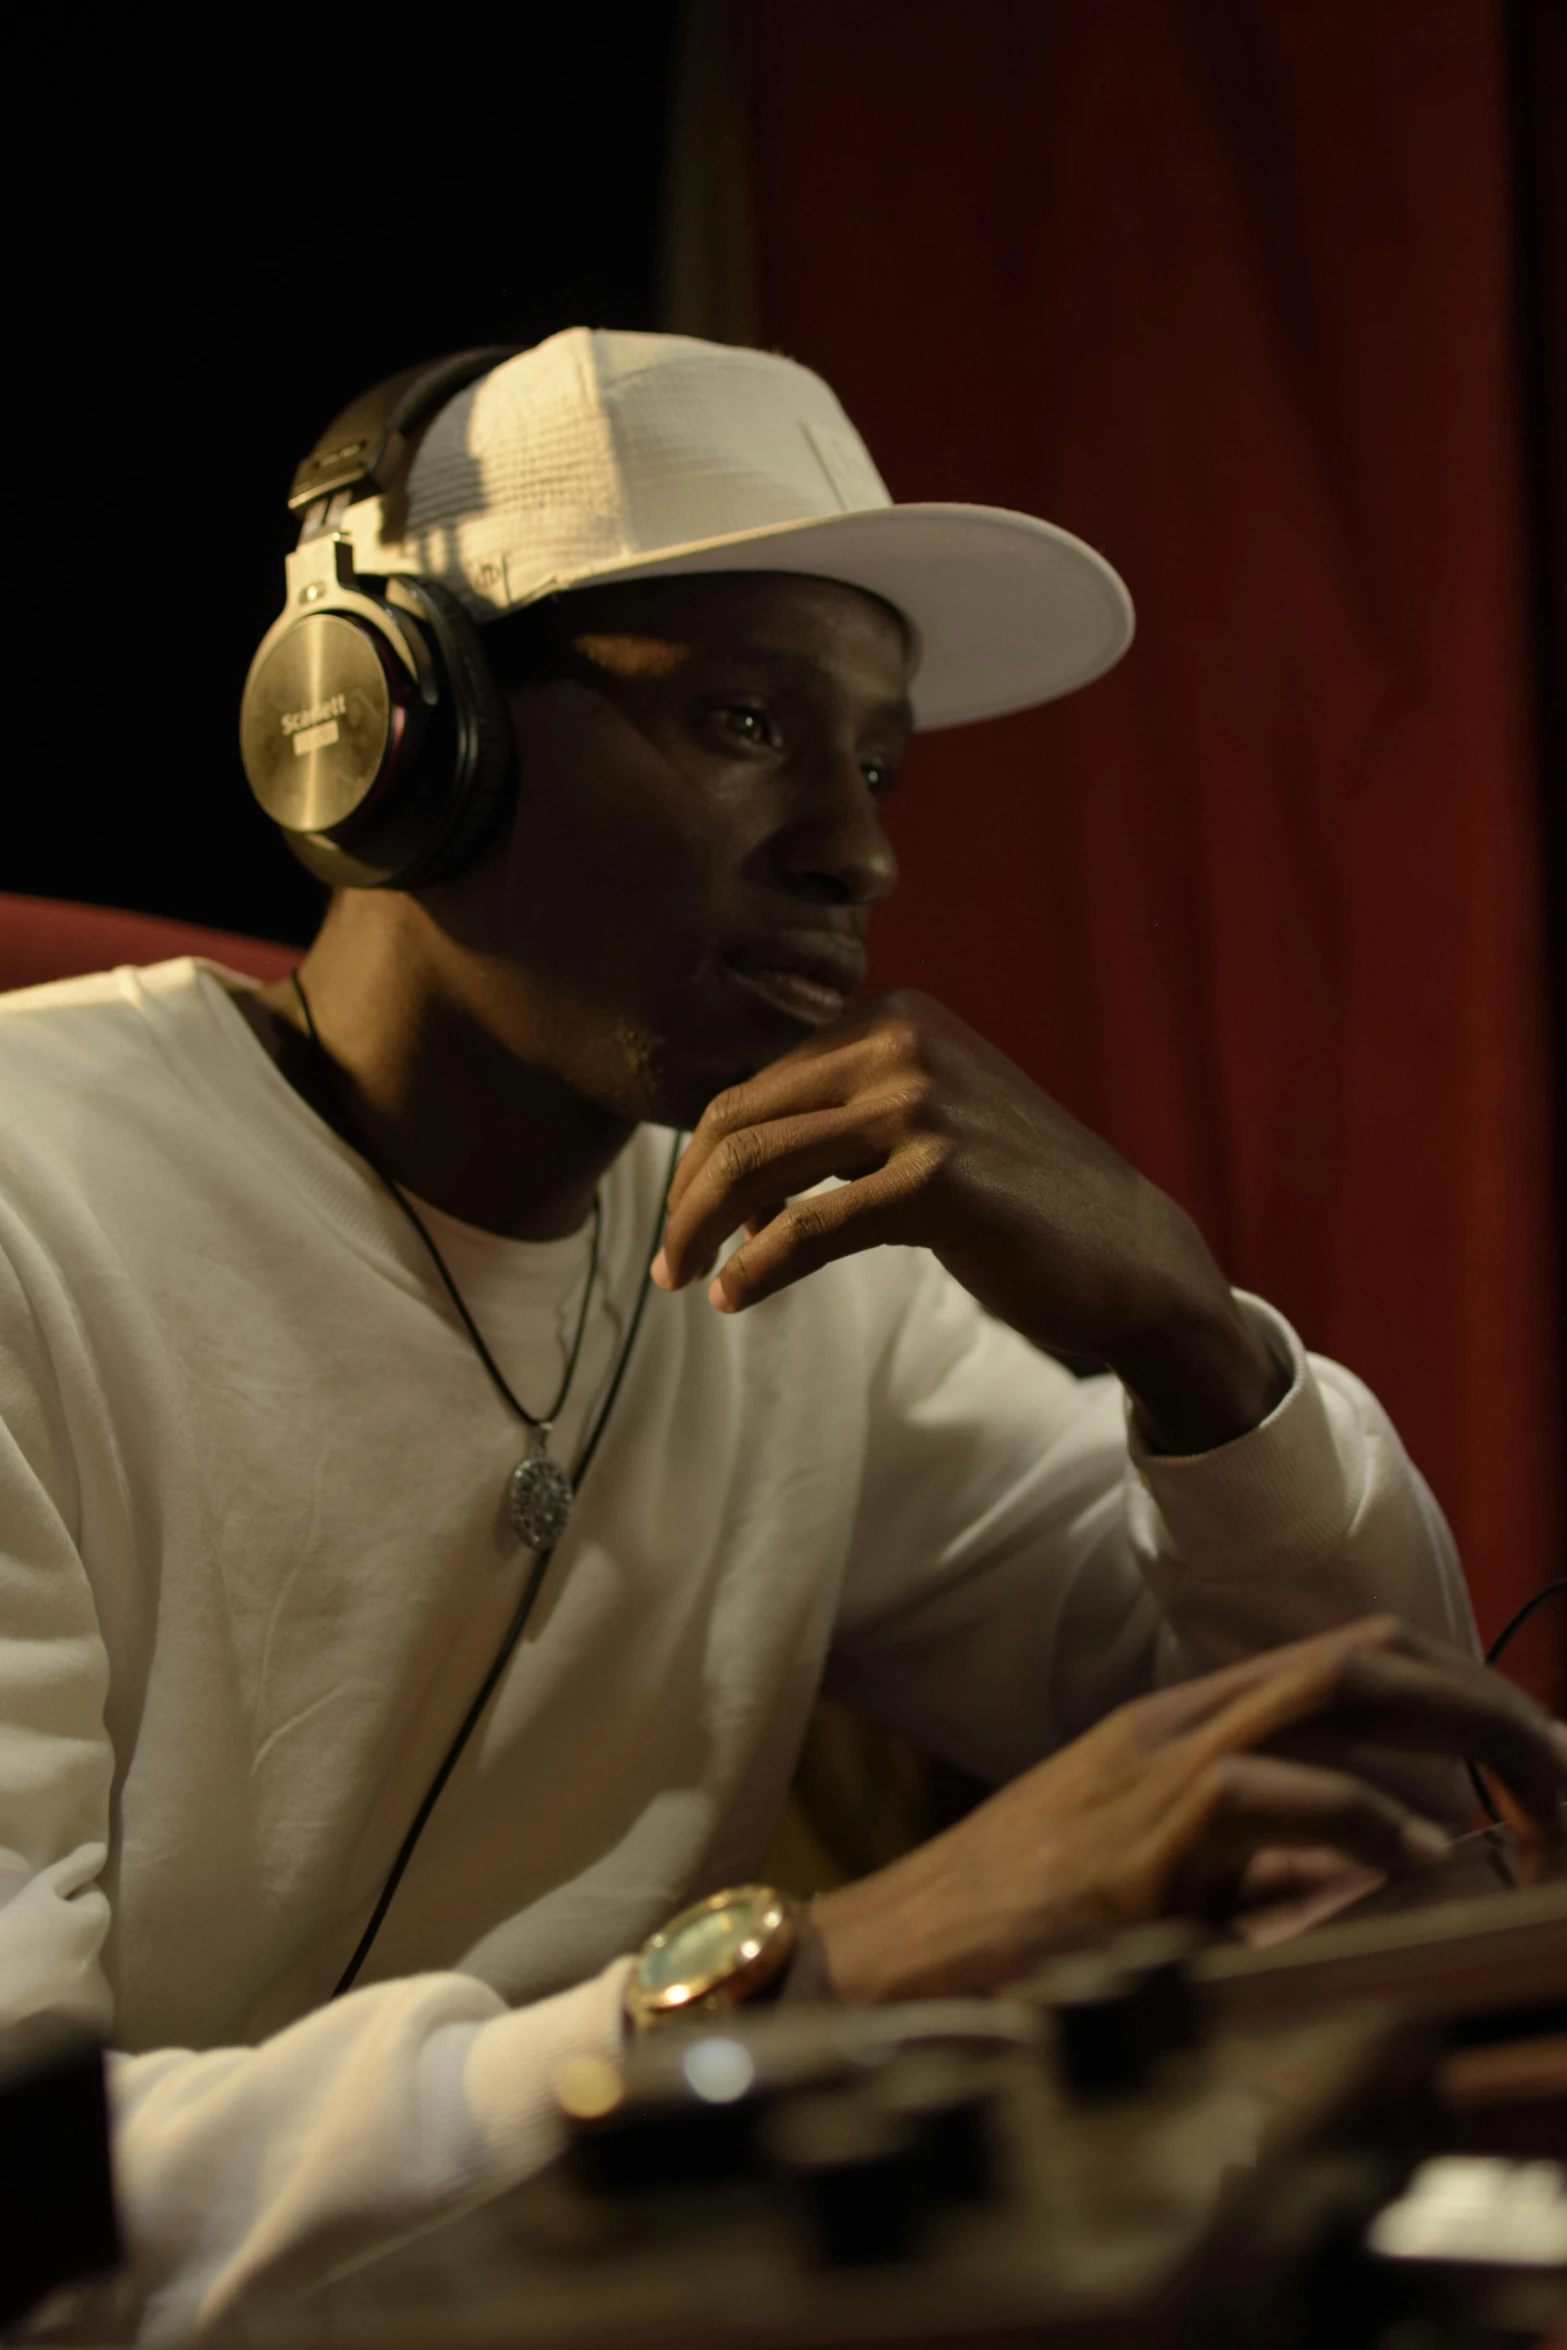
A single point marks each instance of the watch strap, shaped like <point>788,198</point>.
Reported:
<point>804,1975</point>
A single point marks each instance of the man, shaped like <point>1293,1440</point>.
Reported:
<point>286,1270</point>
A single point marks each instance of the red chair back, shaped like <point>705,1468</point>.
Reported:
<point>51,938</point>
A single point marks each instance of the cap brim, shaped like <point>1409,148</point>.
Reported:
<point>1008,610</point>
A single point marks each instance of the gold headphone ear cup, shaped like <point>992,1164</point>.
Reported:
<point>483,784</point>
<point>325,686</point>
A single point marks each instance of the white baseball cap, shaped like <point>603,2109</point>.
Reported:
<point>603,456</point>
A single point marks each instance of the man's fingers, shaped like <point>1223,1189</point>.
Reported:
<point>756,1167</point>
<point>1173,1713</point>
<point>1387,1698</point>
<point>1298,1686</point>
<point>1370,1684</point>
<point>1283,1891</point>
<point>808,1233</point>
<point>1287,1872</point>
<point>823,1074</point>
<point>1247,1803</point>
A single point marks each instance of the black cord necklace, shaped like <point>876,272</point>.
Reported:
<point>514,1630</point>
<point>543,1553</point>
<point>542,1491</point>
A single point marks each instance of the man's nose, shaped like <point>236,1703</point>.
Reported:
<point>835,849</point>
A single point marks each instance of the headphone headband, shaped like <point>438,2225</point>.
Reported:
<point>364,445</point>
<point>371,729</point>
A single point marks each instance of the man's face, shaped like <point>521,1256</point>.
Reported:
<point>698,839</point>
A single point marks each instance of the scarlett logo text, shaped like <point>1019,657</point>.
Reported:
<point>294,721</point>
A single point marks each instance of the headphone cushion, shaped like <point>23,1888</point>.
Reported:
<point>484,791</point>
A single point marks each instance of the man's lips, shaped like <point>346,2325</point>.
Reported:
<point>808,975</point>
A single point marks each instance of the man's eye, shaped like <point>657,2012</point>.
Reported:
<point>744,719</point>
<point>879,776</point>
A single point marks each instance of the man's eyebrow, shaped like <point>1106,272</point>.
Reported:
<point>630,654</point>
<point>806,669</point>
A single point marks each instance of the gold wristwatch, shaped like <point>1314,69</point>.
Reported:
<point>721,1953</point>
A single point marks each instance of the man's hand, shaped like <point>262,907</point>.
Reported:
<point>1162,1806</point>
<point>944,1144</point>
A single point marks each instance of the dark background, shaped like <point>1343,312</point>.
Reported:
<point>985,222</point>
<point>232,263</point>
<point>211,272</point>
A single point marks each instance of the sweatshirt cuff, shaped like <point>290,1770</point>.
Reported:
<point>1280,1494</point>
<point>512,2062</point>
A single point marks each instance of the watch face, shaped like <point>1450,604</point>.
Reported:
<point>709,1943</point>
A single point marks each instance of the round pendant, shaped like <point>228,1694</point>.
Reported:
<point>541,1499</point>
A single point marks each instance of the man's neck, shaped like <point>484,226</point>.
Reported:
<point>417,1083</point>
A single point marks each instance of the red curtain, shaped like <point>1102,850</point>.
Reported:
<point>1224,286</point>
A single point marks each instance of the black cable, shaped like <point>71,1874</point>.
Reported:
<point>1514,1623</point>
<point>514,1629</point>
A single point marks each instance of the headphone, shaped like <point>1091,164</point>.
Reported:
<point>371,729</point>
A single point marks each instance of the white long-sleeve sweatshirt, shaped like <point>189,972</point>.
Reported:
<point>255,1559</point>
